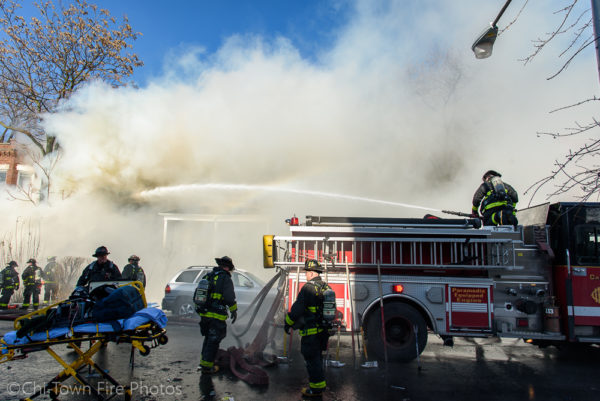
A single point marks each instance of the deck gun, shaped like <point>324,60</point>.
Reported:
<point>459,214</point>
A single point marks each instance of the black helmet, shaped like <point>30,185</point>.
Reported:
<point>491,173</point>
<point>134,258</point>
<point>32,260</point>
<point>313,265</point>
<point>225,261</point>
<point>13,263</point>
<point>101,250</point>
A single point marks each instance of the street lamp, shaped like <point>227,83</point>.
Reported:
<point>482,47</point>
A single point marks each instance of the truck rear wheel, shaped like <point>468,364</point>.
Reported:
<point>400,323</point>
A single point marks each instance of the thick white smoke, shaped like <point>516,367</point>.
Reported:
<point>398,109</point>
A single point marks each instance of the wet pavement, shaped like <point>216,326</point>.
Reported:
<point>474,369</point>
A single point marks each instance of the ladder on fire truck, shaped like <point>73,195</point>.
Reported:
<point>402,243</point>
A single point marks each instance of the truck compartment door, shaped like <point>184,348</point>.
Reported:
<point>586,296</point>
<point>469,308</point>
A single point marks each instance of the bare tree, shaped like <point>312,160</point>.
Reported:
<point>45,59</point>
<point>576,171</point>
<point>68,273</point>
<point>20,245</point>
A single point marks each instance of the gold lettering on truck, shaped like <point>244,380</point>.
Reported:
<point>596,295</point>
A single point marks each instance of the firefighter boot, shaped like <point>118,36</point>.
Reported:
<point>312,392</point>
<point>209,370</point>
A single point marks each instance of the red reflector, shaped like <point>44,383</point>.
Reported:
<point>522,322</point>
<point>397,288</point>
<point>294,221</point>
<point>167,289</point>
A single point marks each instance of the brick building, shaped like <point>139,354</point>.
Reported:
<point>13,171</point>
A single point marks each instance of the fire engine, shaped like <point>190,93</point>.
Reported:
<point>539,281</point>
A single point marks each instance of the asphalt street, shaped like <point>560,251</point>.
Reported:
<point>474,369</point>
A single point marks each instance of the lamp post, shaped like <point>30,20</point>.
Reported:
<point>596,24</point>
<point>482,47</point>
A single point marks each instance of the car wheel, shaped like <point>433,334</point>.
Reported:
<point>185,309</point>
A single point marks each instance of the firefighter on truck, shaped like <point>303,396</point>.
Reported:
<point>496,200</point>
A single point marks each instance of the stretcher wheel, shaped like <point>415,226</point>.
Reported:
<point>145,351</point>
<point>162,340</point>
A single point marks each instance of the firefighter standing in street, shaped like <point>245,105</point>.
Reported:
<point>101,269</point>
<point>9,283</point>
<point>133,271</point>
<point>314,332</point>
<point>496,200</point>
<point>221,295</point>
<point>50,276</point>
<point>32,283</point>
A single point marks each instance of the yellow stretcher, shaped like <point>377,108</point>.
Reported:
<point>142,337</point>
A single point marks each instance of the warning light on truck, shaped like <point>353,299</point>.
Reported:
<point>398,288</point>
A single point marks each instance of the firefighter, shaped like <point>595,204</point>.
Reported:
<point>307,313</point>
<point>133,271</point>
<point>32,283</point>
<point>496,200</point>
<point>221,295</point>
<point>9,283</point>
<point>101,269</point>
<point>50,275</point>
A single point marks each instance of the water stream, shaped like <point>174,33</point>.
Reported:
<point>163,191</point>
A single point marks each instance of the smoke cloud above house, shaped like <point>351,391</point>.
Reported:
<point>397,109</point>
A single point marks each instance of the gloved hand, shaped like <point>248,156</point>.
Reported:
<point>475,215</point>
<point>233,316</point>
<point>287,328</point>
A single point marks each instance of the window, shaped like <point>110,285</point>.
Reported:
<point>24,180</point>
<point>3,176</point>
<point>588,243</point>
<point>239,280</point>
<point>187,276</point>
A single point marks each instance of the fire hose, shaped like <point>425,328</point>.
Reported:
<point>247,363</point>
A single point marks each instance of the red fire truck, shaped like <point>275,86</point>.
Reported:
<point>452,277</point>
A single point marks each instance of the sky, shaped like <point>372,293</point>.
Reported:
<point>276,108</point>
<point>169,29</point>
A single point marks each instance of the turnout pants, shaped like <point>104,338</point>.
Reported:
<point>311,347</point>
<point>50,292</point>
<point>214,331</point>
<point>500,216</point>
<point>29,292</point>
<point>5,298</point>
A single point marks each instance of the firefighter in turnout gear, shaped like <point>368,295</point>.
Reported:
<point>9,283</point>
<point>100,270</point>
<point>133,271</point>
<point>496,200</point>
<point>32,283</point>
<point>50,276</point>
<point>306,314</point>
<point>220,296</point>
